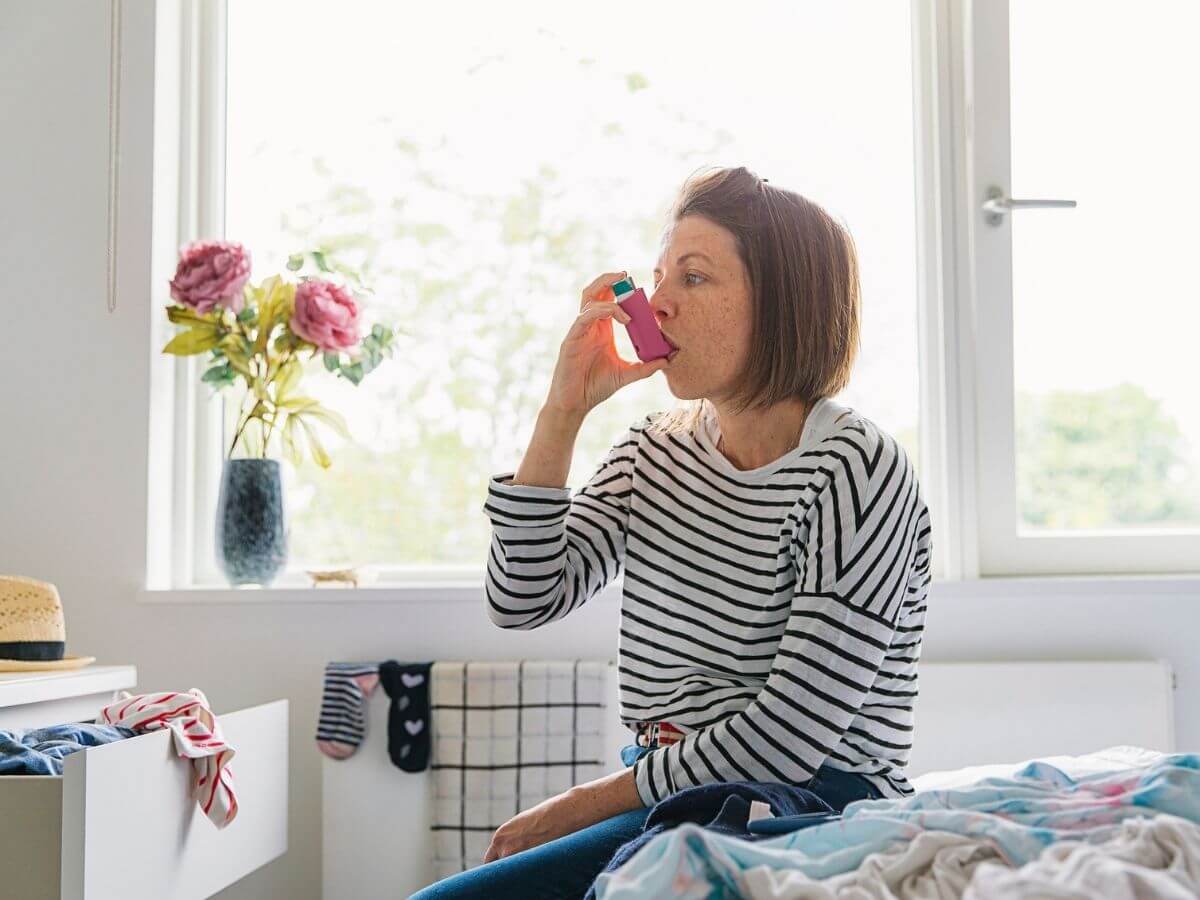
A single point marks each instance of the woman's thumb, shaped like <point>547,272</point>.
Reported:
<point>638,371</point>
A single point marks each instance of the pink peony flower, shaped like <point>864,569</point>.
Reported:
<point>211,273</point>
<point>325,315</point>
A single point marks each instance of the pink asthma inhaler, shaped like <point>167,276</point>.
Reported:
<point>647,337</point>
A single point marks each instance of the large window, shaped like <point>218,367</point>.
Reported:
<point>1091,440</point>
<point>480,163</point>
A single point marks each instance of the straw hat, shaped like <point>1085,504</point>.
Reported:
<point>33,635</point>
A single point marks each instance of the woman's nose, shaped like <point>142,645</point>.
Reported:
<point>662,304</point>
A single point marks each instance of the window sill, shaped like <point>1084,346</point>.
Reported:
<point>469,590</point>
<point>413,592</point>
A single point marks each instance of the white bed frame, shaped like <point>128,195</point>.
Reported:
<point>976,713</point>
<point>377,843</point>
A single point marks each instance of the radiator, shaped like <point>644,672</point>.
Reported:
<point>375,825</point>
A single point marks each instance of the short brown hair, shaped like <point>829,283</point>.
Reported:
<point>804,285</point>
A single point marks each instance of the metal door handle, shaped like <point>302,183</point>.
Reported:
<point>997,205</point>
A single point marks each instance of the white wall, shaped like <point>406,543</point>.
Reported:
<point>73,465</point>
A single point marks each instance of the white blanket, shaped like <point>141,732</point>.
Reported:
<point>935,864</point>
<point>1112,830</point>
<point>1154,857</point>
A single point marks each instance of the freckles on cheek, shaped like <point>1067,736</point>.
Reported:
<point>728,336</point>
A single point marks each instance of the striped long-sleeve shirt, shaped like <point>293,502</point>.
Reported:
<point>774,614</point>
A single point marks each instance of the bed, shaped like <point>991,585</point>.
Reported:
<point>1055,779</point>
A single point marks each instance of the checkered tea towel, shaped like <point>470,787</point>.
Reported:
<point>506,736</point>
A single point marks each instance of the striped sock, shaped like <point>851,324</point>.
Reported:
<point>343,720</point>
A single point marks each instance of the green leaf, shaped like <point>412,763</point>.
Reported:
<point>332,362</point>
<point>189,343</point>
<point>247,314</point>
<point>329,418</point>
<point>319,259</point>
<point>319,455</point>
<point>237,351</point>
<point>298,404</point>
<point>287,379</point>
<point>275,307</point>
<point>293,442</point>
<point>295,262</point>
<point>354,373</point>
<point>219,376</point>
<point>378,332</point>
<point>182,315</point>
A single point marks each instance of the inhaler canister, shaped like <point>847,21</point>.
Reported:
<point>647,337</point>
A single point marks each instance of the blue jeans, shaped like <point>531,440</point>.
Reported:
<point>566,867</point>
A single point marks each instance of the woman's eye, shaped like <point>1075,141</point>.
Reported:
<point>693,275</point>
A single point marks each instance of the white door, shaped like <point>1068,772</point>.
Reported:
<point>1087,305</point>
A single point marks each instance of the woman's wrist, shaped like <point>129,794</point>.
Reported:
<point>560,419</point>
<point>609,796</point>
<point>548,459</point>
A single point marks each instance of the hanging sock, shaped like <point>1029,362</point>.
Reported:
<point>407,684</point>
<point>343,719</point>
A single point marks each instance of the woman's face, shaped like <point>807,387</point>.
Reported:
<point>703,304</point>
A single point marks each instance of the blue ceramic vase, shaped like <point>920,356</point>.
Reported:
<point>251,527</point>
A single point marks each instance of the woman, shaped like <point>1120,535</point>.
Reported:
<point>775,544</point>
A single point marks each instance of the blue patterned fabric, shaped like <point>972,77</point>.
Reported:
<point>1021,814</point>
<point>40,751</point>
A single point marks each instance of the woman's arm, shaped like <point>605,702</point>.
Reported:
<point>853,553</point>
<point>548,458</point>
<point>588,371</point>
<point>551,552</point>
<point>565,814</point>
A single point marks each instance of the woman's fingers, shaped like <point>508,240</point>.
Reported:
<point>600,288</point>
<point>607,309</point>
<point>637,371</point>
<point>593,313</point>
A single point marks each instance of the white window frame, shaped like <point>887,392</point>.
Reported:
<point>1003,550</point>
<point>963,296</point>
<point>179,46</point>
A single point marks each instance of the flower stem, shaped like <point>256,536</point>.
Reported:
<point>283,359</point>
<point>242,427</point>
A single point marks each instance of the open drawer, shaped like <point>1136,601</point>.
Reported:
<point>119,822</point>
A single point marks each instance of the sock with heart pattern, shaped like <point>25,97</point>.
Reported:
<point>407,686</point>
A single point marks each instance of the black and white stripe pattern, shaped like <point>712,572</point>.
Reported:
<point>342,720</point>
<point>775,614</point>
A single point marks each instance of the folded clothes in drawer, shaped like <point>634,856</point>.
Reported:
<point>60,835</point>
<point>40,751</point>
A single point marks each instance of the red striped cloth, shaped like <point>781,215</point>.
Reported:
<point>664,732</point>
<point>197,736</point>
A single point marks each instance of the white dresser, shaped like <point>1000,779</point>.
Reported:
<point>119,822</point>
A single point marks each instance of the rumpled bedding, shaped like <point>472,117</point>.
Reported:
<point>1038,832</point>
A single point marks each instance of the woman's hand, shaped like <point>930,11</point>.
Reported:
<point>607,796</point>
<point>550,819</point>
<point>589,371</point>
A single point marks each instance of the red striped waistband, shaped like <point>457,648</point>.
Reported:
<point>660,733</point>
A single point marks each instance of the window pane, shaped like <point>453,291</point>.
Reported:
<point>1105,309</point>
<point>481,164</point>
